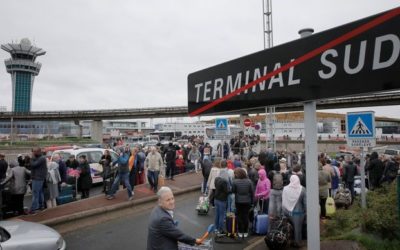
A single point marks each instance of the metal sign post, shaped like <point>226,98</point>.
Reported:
<point>362,168</point>
<point>311,151</point>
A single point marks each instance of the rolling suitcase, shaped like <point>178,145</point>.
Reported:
<point>203,206</point>
<point>64,199</point>
<point>66,195</point>
<point>231,225</point>
<point>260,222</point>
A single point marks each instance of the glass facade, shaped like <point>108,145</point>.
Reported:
<point>22,92</point>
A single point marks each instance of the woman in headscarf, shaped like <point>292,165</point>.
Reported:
<point>294,206</point>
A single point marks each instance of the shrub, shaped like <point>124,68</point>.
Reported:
<point>381,216</point>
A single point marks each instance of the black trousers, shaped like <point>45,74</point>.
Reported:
<point>132,177</point>
<point>242,210</point>
<point>322,202</point>
<point>85,193</point>
<point>170,169</point>
<point>17,203</point>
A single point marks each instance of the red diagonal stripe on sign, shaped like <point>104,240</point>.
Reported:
<point>357,31</point>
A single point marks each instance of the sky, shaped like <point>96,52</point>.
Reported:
<point>104,54</point>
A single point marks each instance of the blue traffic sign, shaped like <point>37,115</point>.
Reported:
<point>221,124</point>
<point>360,125</point>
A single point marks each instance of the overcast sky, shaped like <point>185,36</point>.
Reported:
<point>131,54</point>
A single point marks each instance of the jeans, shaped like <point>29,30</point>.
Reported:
<point>220,211</point>
<point>37,195</point>
<point>196,165</point>
<point>152,177</point>
<point>125,178</point>
<point>275,203</point>
<point>231,203</point>
<point>204,189</point>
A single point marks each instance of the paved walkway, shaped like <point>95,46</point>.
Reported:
<point>99,204</point>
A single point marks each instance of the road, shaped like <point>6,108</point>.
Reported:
<point>130,232</point>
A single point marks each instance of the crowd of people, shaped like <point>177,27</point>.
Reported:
<point>236,179</point>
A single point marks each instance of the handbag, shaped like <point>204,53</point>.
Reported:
<point>161,181</point>
<point>330,206</point>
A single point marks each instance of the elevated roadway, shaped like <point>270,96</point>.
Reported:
<point>381,99</point>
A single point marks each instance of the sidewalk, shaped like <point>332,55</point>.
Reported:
<point>99,204</point>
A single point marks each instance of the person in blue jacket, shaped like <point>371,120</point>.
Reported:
<point>123,174</point>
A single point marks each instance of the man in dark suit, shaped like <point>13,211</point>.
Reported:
<point>163,232</point>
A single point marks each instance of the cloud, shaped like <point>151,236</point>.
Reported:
<point>129,54</point>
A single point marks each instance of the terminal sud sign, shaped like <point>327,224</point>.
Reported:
<point>356,58</point>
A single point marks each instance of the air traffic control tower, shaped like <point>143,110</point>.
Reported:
<point>23,69</point>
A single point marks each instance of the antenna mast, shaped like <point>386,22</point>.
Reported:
<point>268,43</point>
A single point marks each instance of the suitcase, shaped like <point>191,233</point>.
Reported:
<point>66,195</point>
<point>231,225</point>
<point>203,205</point>
<point>260,223</point>
<point>64,199</point>
<point>66,190</point>
<point>189,167</point>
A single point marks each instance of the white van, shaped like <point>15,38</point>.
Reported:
<point>93,156</point>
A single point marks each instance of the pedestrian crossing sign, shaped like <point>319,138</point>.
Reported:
<point>221,126</point>
<point>360,129</point>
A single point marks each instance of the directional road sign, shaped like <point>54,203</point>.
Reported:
<point>356,58</point>
<point>360,129</point>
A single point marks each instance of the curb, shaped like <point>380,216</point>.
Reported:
<point>107,209</point>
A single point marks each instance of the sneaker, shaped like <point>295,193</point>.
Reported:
<point>245,235</point>
<point>110,197</point>
<point>130,198</point>
<point>240,235</point>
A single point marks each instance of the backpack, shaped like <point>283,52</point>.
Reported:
<point>392,170</point>
<point>280,234</point>
<point>342,197</point>
<point>169,155</point>
<point>277,181</point>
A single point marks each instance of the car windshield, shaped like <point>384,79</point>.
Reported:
<point>390,152</point>
<point>64,155</point>
<point>92,156</point>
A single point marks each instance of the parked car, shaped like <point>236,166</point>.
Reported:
<point>93,156</point>
<point>28,235</point>
<point>49,150</point>
<point>391,152</point>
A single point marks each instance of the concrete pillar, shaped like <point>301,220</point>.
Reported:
<point>77,123</point>
<point>97,131</point>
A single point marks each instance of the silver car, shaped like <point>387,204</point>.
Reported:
<point>29,235</point>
